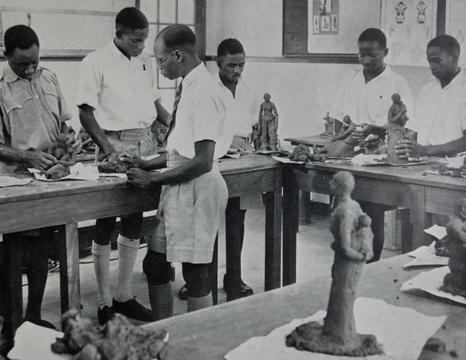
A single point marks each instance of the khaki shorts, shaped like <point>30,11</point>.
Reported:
<point>135,142</point>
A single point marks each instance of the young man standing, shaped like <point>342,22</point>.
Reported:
<point>117,105</point>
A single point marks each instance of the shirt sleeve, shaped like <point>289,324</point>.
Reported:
<point>89,83</point>
<point>155,91</point>
<point>207,115</point>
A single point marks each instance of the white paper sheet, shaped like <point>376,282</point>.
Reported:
<point>77,172</point>
<point>402,331</point>
<point>286,160</point>
<point>425,256</point>
<point>438,232</point>
<point>365,160</point>
<point>430,281</point>
<point>13,181</point>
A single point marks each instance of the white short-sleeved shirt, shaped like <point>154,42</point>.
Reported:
<point>243,108</point>
<point>369,103</point>
<point>201,115</point>
<point>122,91</point>
<point>441,113</point>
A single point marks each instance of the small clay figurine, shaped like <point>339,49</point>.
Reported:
<point>346,129</point>
<point>396,130</point>
<point>255,136</point>
<point>268,124</point>
<point>455,281</point>
<point>353,246</point>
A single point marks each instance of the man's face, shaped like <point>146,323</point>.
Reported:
<point>371,55</point>
<point>166,60</point>
<point>24,62</point>
<point>442,64</point>
<point>132,41</point>
<point>232,66</point>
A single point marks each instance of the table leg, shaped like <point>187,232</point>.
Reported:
<point>418,216</point>
<point>273,221</point>
<point>290,224</point>
<point>214,273</point>
<point>233,249</point>
<point>13,277</point>
<point>69,270</point>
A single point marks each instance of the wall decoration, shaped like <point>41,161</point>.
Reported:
<point>325,16</point>
<point>456,25</point>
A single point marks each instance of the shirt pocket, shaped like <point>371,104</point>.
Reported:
<point>13,103</point>
<point>51,96</point>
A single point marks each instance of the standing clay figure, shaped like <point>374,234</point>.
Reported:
<point>353,246</point>
<point>455,281</point>
<point>255,136</point>
<point>396,130</point>
<point>268,124</point>
<point>346,128</point>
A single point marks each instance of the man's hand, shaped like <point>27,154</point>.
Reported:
<point>134,162</point>
<point>408,148</point>
<point>39,159</point>
<point>241,144</point>
<point>140,178</point>
<point>109,156</point>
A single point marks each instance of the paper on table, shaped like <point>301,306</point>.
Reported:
<point>77,172</point>
<point>438,232</point>
<point>372,316</point>
<point>364,160</point>
<point>39,349</point>
<point>430,281</point>
<point>286,160</point>
<point>13,181</point>
<point>426,256</point>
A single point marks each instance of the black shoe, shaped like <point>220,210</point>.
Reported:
<point>233,292</point>
<point>133,310</point>
<point>183,293</point>
<point>43,323</point>
<point>105,314</point>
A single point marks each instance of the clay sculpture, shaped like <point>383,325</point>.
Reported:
<point>352,246</point>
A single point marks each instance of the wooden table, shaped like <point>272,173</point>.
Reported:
<point>314,141</point>
<point>398,186</point>
<point>42,204</point>
<point>210,334</point>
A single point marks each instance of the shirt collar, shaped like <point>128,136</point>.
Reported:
<point>116,52</point>
<point>196,73</point>
<point>385,74</point>
<point>460,77</point>
<point>10,76</point>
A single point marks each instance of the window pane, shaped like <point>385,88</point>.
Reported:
<point>186,11</point>
<point>150,38</point>
<point>149,8</point>
<point>167,11</point>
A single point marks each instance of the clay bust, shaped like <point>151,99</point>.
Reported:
<point>353,245</point>
<point>346,129</point>
<point>455,281</point>
<point>268,124</point>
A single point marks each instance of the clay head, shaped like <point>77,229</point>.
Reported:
<point>267,97</point>
<point>396,98</point>
<point>342,183</point>
<point>347,119</point>
<point>364,221</point>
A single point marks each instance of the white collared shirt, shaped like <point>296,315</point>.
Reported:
<point>441,113</point>
<point>369,103</point>
<point>201,115</point>
<point>122,91</point>
<point>243,108</point>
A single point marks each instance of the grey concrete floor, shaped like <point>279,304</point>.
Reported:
<point>314,259</point>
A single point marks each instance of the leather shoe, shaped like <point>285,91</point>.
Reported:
<point>183,293</point>
<point>105,314</point>
<point>133,310</point>
<point>232,292</point>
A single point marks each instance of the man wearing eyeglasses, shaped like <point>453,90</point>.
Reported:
<point>118,102</point>
<point>365,95</point>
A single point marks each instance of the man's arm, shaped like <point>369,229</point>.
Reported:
<point>35,158</point>
<point>200,164</point>
<point>88,121</point>
<point>407,148</point>
<point>163,116</point>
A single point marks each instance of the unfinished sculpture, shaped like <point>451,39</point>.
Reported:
<point>455,281</point>
<point>268,124</point>
<point>353,245</point>
<point>346,128</point>
<point>332,127</point>
<point>396,130</point>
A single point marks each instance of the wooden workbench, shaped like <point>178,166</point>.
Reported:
<point>211,333</point>
<point>42,204</point>
<point>314,141</point>
<point>398,186</point>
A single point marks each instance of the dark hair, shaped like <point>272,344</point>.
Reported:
<point>229,46</point>
<point>178,36</point>
<point>447,43</point>
<point>21,37</point>
<point>373,34</point>
<point>130,18</point>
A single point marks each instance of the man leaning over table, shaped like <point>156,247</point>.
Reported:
<point>33,113</point>
<point>118,103</point>
<point>441,105</point>
<point>365,95</point>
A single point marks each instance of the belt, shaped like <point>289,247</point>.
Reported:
<point>129,134</point>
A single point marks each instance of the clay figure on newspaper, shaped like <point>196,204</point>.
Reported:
<point>268,124</point>
<point>346,128</point>
<point>352,246</point>
<point>455,281</point>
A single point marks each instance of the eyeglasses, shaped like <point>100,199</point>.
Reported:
<point>159,61</point>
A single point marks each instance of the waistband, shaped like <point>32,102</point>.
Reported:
<point>129,134</point>
<point>175,159</point>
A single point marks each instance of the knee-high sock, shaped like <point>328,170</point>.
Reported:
<point>101,257</point>
<point>37,278</point>
<point>127,251</point>
<point>161,300</point>
<point>199,303</point>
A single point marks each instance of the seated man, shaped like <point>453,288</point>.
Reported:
<point>365,95</point>
<point>33,113</point>
<point>441,106</point>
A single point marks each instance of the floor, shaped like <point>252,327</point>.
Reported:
<point>314,259</point>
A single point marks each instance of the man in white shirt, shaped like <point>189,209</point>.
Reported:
<point>441,107</point>
<point>194,194</point>
<point>365,95</point>
<point>117,103</point>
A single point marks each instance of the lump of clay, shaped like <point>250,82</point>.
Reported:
<point>301,153</point>
<point>118,339</point>
<point>113,166</point>
<point>353,246</point>
<point>57,171</point>
<point>455,281</point>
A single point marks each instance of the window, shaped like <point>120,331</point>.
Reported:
<point>162,13</point>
